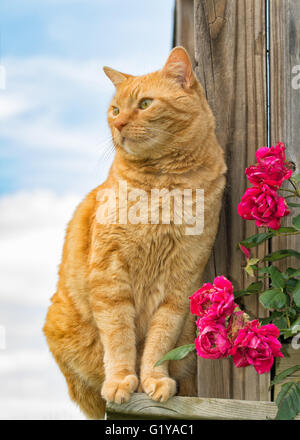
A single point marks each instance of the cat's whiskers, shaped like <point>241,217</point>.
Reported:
<point>106,150</point>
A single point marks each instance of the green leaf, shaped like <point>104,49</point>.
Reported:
<point>285,230</point>
<point>276,277</point>
<point>292,204</point>
<point>273,299</point>
<point>239,293</point>
<point>256,239</point>
<point>294,329</point>
<point>291,284</point>
<point>281,376</point>
<point>263,270</point>
<point>296,222</point>
<point>295,325</point>
<point>251,266</point>
<point>281,323</point>
<point>288,401</point>
<point>177,354</point>
<point>275,315</point>
<point>296,294</point>
<point>251,289</point>
<point>293,272</point>
<point>292,312</point>
<point>255,287</point>
<point>297,178</point>
<point>280,255</point>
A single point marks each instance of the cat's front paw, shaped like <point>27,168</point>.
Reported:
<point>118,388</point>
<point>159,388</point>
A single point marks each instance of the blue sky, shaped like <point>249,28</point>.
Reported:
<point>53,111</point>
<point>54,148</point>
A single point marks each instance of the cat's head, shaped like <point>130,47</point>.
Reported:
<point>160,112</point>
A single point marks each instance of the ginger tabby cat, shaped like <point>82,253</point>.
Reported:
<point>122,295</point>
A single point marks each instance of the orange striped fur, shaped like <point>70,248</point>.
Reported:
<point>122,296</point>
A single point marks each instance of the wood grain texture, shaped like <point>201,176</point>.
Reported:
<point>285,107</point>
<point>185,26</point>
<point>230,55</point>
<point>142,407</point>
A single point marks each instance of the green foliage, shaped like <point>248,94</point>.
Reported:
<point>253,288</point>
<point>276,277</point>
<point>273,299</point>
<point>296,222</point>
<point>282,298</point>
<point>257,239</point>
<point>284,374</point>
<point>293,329</point>
<point>296,178</point>
<point>288,401</point>
<point>292,204</point>
<point>296,294</point>
<point>280,255</point>
<point>177,354</point>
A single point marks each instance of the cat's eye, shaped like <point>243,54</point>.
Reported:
<point>145,103</point>
<point>115,111</point>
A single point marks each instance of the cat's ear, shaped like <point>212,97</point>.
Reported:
<point>116,77</point>
<point>179,67</point>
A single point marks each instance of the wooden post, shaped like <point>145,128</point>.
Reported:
<point>230,54</point>
<point>285,94</point>
<point>184,24</point>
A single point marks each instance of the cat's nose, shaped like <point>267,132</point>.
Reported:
<point>120,124</point>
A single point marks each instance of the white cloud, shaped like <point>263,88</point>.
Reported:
<point>12,106</point>
<point>38,409</point>
<point>32,228</point>
<point>23,360</point>
<point>65,103</point>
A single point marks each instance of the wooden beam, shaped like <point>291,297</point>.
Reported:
<point>142,407</point>
<point>185,26</point>
<point>230,53</point>
<point>285,95</point>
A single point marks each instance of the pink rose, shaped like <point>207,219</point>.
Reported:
<point>256,346</point>
<point>271,168</point>
<point>264,205</point>
<point>222,298</point>
<point>212,342</point>
<point>238,320</point>
<point>200,300</point>
<point>213,300</point>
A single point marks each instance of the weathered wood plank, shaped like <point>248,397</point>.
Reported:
<point>141,406</point>
<point>285,94</point>
<point>185,26</point>
<point>230,56</point>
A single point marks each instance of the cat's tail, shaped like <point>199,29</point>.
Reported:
<point>86,396</point>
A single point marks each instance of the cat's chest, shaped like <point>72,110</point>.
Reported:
<point>152,268</point>
<point>153,251</point>
<point>156,254</point>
